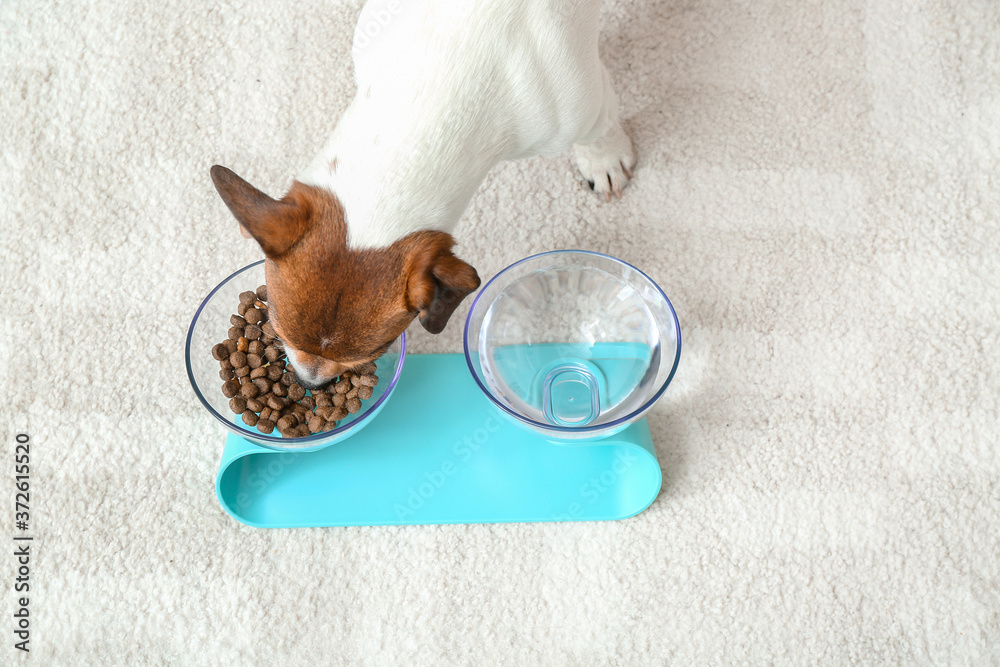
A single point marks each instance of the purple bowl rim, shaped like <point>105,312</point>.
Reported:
<point>571,429</point>
<point>257,438</point>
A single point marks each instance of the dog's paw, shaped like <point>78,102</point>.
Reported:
<point>607,163</point>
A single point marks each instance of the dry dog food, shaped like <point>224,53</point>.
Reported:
<point>260,383</point>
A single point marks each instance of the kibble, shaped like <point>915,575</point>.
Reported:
<point>296,392</point>
<point>261,385</point>
<point>316,424</point>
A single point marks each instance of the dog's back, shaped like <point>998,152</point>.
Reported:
<point>525,69</point>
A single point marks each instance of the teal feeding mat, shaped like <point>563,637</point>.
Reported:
<point>440,452</point>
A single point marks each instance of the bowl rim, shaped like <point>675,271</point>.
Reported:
<point>571,429</point>
<point>261,438</point>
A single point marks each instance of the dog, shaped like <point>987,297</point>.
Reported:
<point>446,89</point>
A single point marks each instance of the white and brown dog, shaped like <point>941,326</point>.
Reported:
<point>361,244</point>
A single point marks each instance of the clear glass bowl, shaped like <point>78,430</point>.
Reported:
<point>211,326</point>
<point>572,344</point>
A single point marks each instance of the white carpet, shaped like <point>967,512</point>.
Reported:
<point>818,192</point>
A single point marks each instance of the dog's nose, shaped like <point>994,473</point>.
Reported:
<point>310,381</point>
<point>303,375</point>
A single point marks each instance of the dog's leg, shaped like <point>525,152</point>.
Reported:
<point>605,155</point>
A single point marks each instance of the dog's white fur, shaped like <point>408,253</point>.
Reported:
<point>449,88</point>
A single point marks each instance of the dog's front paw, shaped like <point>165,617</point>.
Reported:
<point>607,163</point>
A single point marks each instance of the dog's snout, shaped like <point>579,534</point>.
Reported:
<point>311,383</point>
<point>309,373</point>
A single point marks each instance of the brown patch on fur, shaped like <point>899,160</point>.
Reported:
<point>276,225</point>
<point>336,306</point>
<point>437,280</point>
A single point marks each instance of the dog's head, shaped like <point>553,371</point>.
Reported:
<point>332,306</point>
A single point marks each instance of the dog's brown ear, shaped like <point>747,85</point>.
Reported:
<point>275,225</point>
<point>436,281</point>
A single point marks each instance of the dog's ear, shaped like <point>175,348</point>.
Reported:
<point>436,280</point>
<point>275,225</point>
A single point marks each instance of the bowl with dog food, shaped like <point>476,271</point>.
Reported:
<point>240,373</point>
<point>574,345</point>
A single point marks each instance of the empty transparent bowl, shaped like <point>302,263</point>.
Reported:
<point>572,344</point>
<point>211,326</point>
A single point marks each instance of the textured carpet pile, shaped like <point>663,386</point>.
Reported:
<point>818,192</point>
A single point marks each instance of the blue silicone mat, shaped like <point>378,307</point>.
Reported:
<point>440,452</point>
